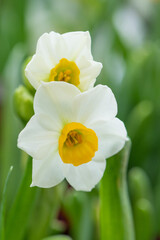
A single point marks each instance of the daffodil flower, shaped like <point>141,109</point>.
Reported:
<point>64,57</point>
<point>71,135</point>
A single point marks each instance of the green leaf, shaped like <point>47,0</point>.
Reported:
<point>3,207</point>
<point>22,207</point>
<point>46,208</point>
<point>141,195</point>
<point>116,217</point>
<point>79,208</point>
<point>139,185</point>
<point>144,220</point>
<point>9,153</point>
<point>58,237</point>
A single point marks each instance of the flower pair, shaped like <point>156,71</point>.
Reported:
<point>74,128</point>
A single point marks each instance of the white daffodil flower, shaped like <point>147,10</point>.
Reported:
<point>64,57</point>
<point>71,135</point>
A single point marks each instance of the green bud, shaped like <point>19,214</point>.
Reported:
<point>23,103</point>
<point>25,80</point>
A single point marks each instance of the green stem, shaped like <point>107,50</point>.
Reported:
<point>3,207</point>
<point>20,211</point>
<point>115,214</point>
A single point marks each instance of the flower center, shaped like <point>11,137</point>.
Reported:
<point>66,71</point>
<point>73,138</point>
<point>77,144</point>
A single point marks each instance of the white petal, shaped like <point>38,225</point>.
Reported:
<point>36,140</point>
<point>87,175</point>
<point>89,71</point>
<point>96,104</point>
<point>79,44</point>
<point>111,136</point>
<point>55,99</point>
<point>48,172</point>
<point>37,70</point>
<point>52,47</point>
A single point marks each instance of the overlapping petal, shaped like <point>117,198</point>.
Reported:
<point>52,47</point>
<point>96,104</point>
<point>38,70</point>
<point>47,173</point>
<point>78,44</point>
<point>86,176</point>
<point>36,139</point>
<point>112,136</point>
<point>55,100</point>
<point>89,71</point>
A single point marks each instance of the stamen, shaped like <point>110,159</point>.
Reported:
<point>66,71</point>
<point>77,144</point>
<point>73,138</point>
<point>60,76</point>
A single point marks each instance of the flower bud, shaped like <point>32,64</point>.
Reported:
<point>23,103</point>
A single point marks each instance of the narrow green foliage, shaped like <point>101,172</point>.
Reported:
<point>3,207</point>
<point>46,208</point>
<point>78,207</point>
<point>142,204</point>
<point>157,205</point>
<point>139,185</point>
<point>9,153</point>
<point>22,207</point>
<point>144,220</point>
<point>116,217</point>
<point>140,113</point>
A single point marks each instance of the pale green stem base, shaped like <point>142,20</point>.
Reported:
<point>115,212</point>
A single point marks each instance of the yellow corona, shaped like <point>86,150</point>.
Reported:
<point>77,144</point>
<point>66,71</point>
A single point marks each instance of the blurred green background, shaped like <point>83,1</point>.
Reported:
<point>126,39</point>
